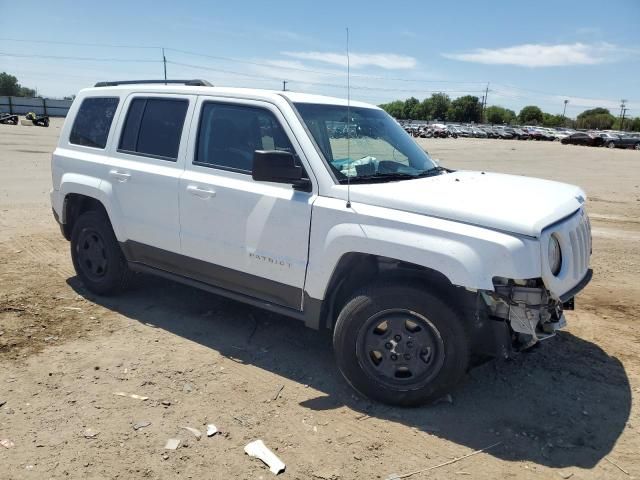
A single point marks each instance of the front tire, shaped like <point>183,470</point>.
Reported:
<point>400,345</point>
<point>96,254</point>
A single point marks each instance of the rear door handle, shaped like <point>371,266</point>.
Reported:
<point>203,193</point>
<point>120,176</point>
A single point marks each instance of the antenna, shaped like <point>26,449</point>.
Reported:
<point>164,61</point>
<point>348,125</point>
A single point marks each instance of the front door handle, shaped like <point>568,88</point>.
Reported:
<point>120,176</point>
<point>199,192</point>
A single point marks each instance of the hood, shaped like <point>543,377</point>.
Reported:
<point>509,203</point>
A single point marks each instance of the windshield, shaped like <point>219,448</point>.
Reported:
<point>371,146</point>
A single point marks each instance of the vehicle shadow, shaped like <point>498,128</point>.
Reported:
<point>563,404</point>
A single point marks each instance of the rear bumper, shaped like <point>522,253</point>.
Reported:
<point>56,204</point>
<point>56,210</point>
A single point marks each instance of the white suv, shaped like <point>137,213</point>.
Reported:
<point>323,211</point>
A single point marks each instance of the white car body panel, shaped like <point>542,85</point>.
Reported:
<point>149,184</point>
<point>469,226</point>
<point>503,202</point>
<point>459,251</point>
<point>258,228</point>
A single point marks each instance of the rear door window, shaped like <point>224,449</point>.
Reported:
<point>153,127</point>
<point>93,121</point>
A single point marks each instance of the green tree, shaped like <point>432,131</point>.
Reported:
<point>465,109</point>
<point>9,86</point>
<point>410,105</point>
<point>440,104</point>
<point>499,115</point>
<point>530,114</point>
<point>633,125</point>
<point>395,109</point>
<point>426,109</point>
<point>596,118</point>
<point>549,120</point>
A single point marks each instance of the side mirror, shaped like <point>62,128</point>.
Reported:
<point>276,166</point>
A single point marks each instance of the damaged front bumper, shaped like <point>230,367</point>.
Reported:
<point>528,308</point>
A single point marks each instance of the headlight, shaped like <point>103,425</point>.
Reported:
<point>555,255</point>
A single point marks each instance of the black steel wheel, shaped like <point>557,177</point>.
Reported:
<point>400,344</point>
<point>399,347</point>
<point>96,254</point>
<point>92,255</point>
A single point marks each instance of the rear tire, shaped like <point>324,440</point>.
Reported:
<point>611,145</point>
<point>96,254</point>
<point>400,345</point>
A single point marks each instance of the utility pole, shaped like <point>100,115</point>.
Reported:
<point>164,61</point>
<point>284,85</point>
<point>484,100</point>
<point>623,110</point>
<point>564,110</point>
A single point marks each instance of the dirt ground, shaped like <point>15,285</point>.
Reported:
<point>567,409</point>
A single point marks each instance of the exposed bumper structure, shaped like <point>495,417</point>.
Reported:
<point>529,309</point>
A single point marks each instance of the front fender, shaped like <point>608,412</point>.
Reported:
<point>467,255</point>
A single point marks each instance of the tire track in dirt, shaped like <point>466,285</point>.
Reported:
<point>44,252</point>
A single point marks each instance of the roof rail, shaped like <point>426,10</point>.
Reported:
<point>191,83</point>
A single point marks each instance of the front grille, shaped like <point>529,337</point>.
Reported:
<point>580,238</point>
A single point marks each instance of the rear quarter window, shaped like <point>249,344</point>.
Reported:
<point>93,122</point>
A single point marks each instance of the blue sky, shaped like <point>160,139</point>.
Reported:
<point>538,52</point>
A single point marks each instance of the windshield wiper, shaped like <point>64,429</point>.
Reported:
<point>379,177</point>
<point>433,171</point>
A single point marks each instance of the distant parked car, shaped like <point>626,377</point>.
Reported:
<point>491,133</point>
<point>478,132</point>
<point>560,134</point>
<point>505,133</point>
<point>582,138</point>
<point>622,141</point>
<point>520,134</point>
<point>465,132</point>
<point>539,134</point>
<point>606,135</point>
<point>532,133</point>
<point>440,131</point>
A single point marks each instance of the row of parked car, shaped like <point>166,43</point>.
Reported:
<point>609,139</point>
<point>604,139</point>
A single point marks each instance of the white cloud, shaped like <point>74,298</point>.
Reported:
<point>383,60</point>
<point>538,55</point>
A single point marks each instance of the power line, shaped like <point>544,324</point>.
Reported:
<point>319,72</point>
<point>549,94</point>
<point>78,44</point>
<point>88,59</point>
<point>248,62</point>
<point>417,90</point>
<point>320,84</point>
